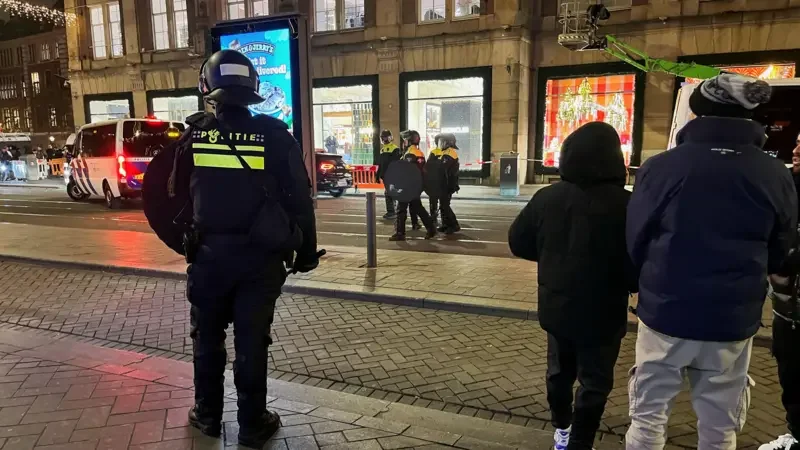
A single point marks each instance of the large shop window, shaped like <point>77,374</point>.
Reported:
<point>100,110</point>
<point>572,102</point>
<point>343,122</point>
<point>449,106</point>
<point>175,109</point>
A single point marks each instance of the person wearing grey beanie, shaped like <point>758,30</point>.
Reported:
<point>707,222</point>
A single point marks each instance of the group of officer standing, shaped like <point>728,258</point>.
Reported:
<point>440,180</point>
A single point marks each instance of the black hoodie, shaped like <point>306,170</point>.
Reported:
<point>575,230</point>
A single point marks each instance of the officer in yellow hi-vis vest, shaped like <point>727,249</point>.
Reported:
<point>251,202</point>
<point>390,153</point>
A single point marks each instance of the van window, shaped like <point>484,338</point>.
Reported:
<point>147,138</point>
<point>781,117</point>
<point>99,141</point>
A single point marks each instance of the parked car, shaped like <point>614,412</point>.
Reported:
<point>333,175</point>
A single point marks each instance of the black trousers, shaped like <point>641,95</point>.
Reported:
<point>786,348</point>
<point>231,281</point>
<point>449,219</point>
<point>593,366</point>
<point>416,209</point>
<point>390,203</point>
<point>434,204</point>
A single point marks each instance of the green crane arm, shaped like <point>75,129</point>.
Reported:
<point>642,61</point>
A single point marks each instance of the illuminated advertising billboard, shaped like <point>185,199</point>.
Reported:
<point>271,55</point>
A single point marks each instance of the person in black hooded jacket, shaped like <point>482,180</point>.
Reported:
<point>575,230</point>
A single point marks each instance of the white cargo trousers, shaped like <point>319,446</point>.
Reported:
<point>719,385</point>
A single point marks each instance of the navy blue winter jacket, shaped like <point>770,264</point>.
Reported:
<point>706,222</point>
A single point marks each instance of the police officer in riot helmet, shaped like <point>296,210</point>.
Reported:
<point>414,156</point>
<point>252,205</point>
<point>390,153</point>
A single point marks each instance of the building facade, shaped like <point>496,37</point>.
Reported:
<point>489,71</point>
<point>34,94</point>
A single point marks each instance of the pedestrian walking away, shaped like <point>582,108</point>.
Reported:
<point>786,333</point>
<point>450,168</point>
<point>575,230</point>
<point>250,206</point>
<point>390,153</point>
<point>707,222</point>
<point>413,156</point>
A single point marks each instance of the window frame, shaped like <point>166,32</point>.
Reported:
<point>249,8</point>
<point>466,17</point>
<point>449,13</point>
<point>340,19</point>
<point>108,33</point>
<point>172,25</point>
<point>36,86</point>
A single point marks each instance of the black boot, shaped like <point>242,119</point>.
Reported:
<point>430,234</point>
<point>257,434</point>
<point>397,237</point>
<point>204,421</point>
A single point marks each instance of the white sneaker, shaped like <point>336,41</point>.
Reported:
<point>784,442</point>
<point>561,438</point>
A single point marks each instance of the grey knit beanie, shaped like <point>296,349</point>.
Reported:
<point>729,95</point>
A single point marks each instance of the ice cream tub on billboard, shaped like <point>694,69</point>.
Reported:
<point>271,45</point>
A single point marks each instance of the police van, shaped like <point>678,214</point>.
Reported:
<point>780,117</point>
<point>111,157</point>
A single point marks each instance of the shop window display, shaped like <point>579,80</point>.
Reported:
<point>343,123</point>
<point>572,102</point>
<point>449,106</point>
<point>100,110</point>
<point>764,72</point>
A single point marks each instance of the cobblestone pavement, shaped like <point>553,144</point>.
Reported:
<point>102,399</point>
<point>473,365</point>
<point>490,282</point>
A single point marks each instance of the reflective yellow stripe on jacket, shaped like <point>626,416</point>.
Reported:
<point>216,160</point>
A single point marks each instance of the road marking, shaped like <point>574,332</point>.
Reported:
<point>472,241</point>
<point>460,217</point>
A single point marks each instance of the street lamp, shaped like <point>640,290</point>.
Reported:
<point>52,139</point>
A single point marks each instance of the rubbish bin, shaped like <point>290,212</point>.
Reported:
<point>509,179</point>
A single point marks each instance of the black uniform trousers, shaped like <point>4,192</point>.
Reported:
<point>786,349</point>
<point>434,204</point>
<point>390,203</point>
<point>416,209</point>
<point>231,281</point>
<point>449,219</point>
<point>593,366</point>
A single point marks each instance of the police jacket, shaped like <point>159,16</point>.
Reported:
<point>415,155</point>
<point>389,154</point>
<point>225,195</point>
<point>436,153</point>
<point>450,166</point>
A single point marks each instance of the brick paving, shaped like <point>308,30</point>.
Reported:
<point>77,403</point>
<point>487,367</point>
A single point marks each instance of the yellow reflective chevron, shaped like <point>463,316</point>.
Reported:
<point>227,161</point>
<point>242,148</point>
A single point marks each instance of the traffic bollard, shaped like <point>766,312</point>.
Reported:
<point>372,233</point>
